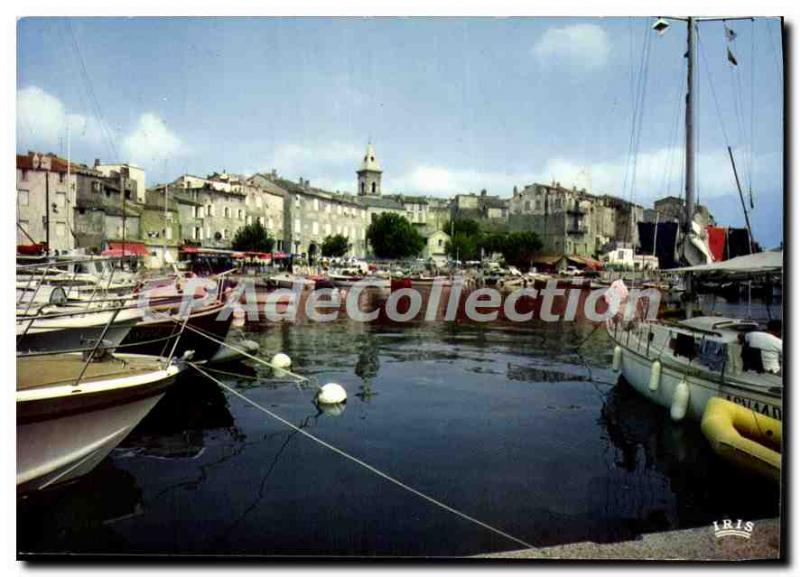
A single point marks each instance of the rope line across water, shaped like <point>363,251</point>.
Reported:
<point>362,463</point>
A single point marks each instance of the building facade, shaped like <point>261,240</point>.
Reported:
<point>45,201</point>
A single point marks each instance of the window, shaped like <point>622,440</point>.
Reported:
<point>241,214</point>
<point>169,233</point>
<point>373,188</point>
<point>261,220</point>
<point>440,243</point>
<point>23,197</point>
<point>61,229</point>
<point>249,219</point>
<point>363,184</point>
<point>61,199</point>
<point>316,204</point>
<point>315,228</point>
<point>210,210</point>
<point>297,225</point>
<point>226,212</point>
<point>327,229</point>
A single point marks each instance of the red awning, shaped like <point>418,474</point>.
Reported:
<point>131,249</point>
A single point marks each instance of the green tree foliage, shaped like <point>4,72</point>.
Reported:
<point>392,236</point>
<point>465,239</point>
<point>517,248</point>
<point>253,237</point>
<point>336,245</point>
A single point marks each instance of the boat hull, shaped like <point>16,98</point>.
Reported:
<point>44,336</point>
<point>636,366</point>
<point>55,451</point>
<point>149,337</point>
<point>64,430</point>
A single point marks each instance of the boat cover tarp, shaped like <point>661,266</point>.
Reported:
<point>666,240</point>
<point>741,266</point>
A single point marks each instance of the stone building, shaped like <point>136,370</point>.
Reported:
<point>161,228</point>
<point>671,208</point>
<point>100,200</point>
<point>563,218</point>
<point>135,173</point>
<point>218,209</point>
<point>485,208</point>
<point>45,190</point>
<point>310,214</point>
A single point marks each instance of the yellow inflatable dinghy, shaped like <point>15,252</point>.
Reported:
<point>744,437</point>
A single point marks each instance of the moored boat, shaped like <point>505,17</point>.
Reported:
<point>71,413</point>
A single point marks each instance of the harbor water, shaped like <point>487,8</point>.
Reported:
<point>523,427</point>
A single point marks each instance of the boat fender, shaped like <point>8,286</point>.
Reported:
<point>655,375</point>
<point>281,361</point>
<point>616,363</point>
<point>680,401</point>
<point>331,394</point>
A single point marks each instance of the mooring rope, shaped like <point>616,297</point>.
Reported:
<point>362,463</point>
<point>299,378</point>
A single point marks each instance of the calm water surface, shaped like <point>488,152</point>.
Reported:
<point>522,428</point>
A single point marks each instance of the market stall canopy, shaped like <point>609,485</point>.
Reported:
<point>770,262</point>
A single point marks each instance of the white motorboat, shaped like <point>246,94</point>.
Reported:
<point>74,328</point>
<point>72,413</point>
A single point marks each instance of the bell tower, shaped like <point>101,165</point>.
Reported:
<point>369,175</point>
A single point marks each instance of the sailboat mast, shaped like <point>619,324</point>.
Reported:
<point>690,180</point>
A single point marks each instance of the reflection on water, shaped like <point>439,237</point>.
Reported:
<point>521,427</point>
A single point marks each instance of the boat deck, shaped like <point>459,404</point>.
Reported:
<point>45,371</point>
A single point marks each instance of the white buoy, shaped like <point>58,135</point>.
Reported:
<point>680,401</point>
<point>616,363</point>
<point>655,375</point>
<point>331,394</point>
<point>281,361</point>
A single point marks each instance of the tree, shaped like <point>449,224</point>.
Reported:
<point>336,245</point>
<point>465,239</point>
<point>254,238</point>
<point>463,247</point>
<point>392,236</point>
<point>517,248</point>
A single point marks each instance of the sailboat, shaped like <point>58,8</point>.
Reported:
<point>682,365</point>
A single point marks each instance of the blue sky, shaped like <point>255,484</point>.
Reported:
<point>451,105</point>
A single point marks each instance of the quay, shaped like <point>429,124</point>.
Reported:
<point>698,544</point>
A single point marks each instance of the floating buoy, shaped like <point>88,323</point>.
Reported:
<point>333,410</point>
<point>331,394</point>
<point>680,401</point>
<point>281,361</point>
<point>655,375</point>
<point>616,363</point>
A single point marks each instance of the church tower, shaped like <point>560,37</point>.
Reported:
<point>369,175</point>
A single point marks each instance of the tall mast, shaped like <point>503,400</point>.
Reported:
<point>690,192</point>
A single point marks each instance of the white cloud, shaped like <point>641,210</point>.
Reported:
<point>42,120</point>
<point>151,142</point>
<point>579,44</point>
